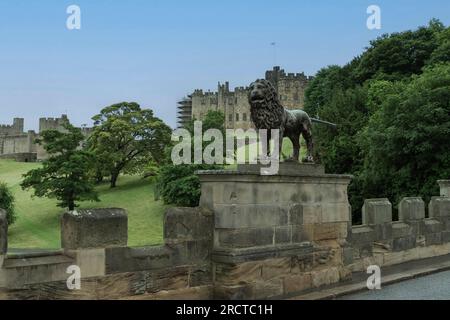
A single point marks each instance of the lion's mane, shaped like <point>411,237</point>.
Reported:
<point>269,113</point>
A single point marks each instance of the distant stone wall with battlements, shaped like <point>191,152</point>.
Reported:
<point>21,146</point>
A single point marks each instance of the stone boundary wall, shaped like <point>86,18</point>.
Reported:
<point>196,263</point>
<point>383,242</point>
<point>96,241</point>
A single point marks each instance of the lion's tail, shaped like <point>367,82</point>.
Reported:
<point>324,122</point>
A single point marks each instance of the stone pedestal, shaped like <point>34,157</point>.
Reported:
<point>445,187</point>
<point>277,235</point>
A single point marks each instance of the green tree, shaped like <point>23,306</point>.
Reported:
<point>178,184</point>
<point>65,174</point>
<point>406,145</point>
<point>7,203</point>
<point>126,138</point>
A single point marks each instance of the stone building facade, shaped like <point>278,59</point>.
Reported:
<point>17,144</point>
<point>234,103</point>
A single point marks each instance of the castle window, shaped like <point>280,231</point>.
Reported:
<point>244,117</point>
<point>237,116</point>
<point>230,118</point>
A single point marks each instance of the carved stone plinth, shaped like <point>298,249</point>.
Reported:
<point>277,235</point>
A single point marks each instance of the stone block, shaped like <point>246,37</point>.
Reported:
<point>439,207</point>
<point>330,231</point>
<point>445,187</point>
<point>243,238</point>
<point>445,236</point>
<point>335,212</point>
<point>233,292</point>
<point>412,208</point>
<point>3,233</point>
<point>302,233</point>
<point>283,235</point>
<point>273,268</point>
<point>445,223</point>
<point>347,255</point>
<point>250,216</point>
<point>325,277</point>
<point>187,224</point>
<point>431,226</point>
<point>433,239</point>
<point>91,262</point>
<point>123,259</point>
<point>405,243</point>
<point>296,214</point>
<point>268,289</point>
<point>297,283</point>
<point>94,228</point>
<point>191,252</point>
<point>311,213</point>
<point>362,234</point>
<point>383,231</point>
<point>376,211</point>
<point>234,274</point>
<point>200,276</point>
<point>401,230</point>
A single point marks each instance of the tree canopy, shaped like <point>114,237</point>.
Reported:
<point>126,138</point>
<point>65,174</point>
<point>391,107</point>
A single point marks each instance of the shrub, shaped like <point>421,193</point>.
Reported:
<point>7,203</point>
<point>179,185</point>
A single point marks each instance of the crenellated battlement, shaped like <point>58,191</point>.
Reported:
<point>52,123</point>
<point>382,241</point>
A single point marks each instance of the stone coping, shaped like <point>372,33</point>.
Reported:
<point>37,261</point>
<point>239,176</point>
<point>225,255</point>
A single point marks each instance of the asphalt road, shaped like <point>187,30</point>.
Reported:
<point>431,287</point>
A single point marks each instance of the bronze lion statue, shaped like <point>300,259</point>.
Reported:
<point>266,112</point>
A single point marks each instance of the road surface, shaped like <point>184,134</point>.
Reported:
<point>431,287</point>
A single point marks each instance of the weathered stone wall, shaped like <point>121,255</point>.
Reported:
<point>15,128</point>
<point>20,146</point>
<point>381,241</point>
<point>253,237</point>
<point>95,240</point>
<point>19,143</point>
<point>276,236</point>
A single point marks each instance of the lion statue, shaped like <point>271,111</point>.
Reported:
<point>266,112</point>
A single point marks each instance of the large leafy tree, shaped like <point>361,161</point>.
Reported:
<point>406,143</point>
<point>352,95</point>
<point>178,184</point>
<point>65,174</point>
<point>126,138</point>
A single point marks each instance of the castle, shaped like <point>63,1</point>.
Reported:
<point>21,146</point>
<point>234,104</point>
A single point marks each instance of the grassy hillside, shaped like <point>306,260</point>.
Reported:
<point>38,224</point>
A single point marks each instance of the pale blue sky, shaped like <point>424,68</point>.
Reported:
<point>156,51</point>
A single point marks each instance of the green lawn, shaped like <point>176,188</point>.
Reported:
<point>287,150</point>
<point>38,224</point>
